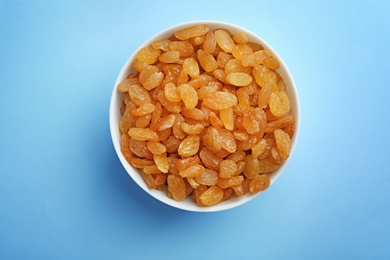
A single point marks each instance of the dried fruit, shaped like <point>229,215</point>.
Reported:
<point>241,51</point>
<point>191,67</point>
<point>151,169</point>
<point>209,177</point>
<point>188,95</point>
<point>165,122</point>
<point>192,129</point>
<point>230,181</point>
<point>171,93</point>
<point>228,141</point>
<point>176,187</point>
<point>161,161</point>
<point>169,57</point>
<point>227,118</point>
<point>191,32</point>
<point>224,40</point>
<point>215,121</point>
<point>220,100</point>
<point>212,139</point>
<point>125,147</point>
<point>259,148</point>
<point>148,55</point>
<point>264,76</point>
<point>161,44</point>
<point>141,163</point>
<point>185,48</point>
<point>209,159</point>
<point>156,147</point>
<point>205,114</point>
<point>189,146</point>
<point>206,60</point>
<point>127,83</point>
<point>252,167</point>
<point>195,114</point>
<point>239,79</point>
<point>283,143</point>
<point>139,95</point>
<point>144,109</point>
<point>240,37</point>
<point>139,148</point>
<point>143,121</point>
<point>142,134</point>
<point>210,43</point>
<point>259,183</point>
<point>192,171</point>
<point>227,168</point>
<point>279,103</point>
<point>211,196</point>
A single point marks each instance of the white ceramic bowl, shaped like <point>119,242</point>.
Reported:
<point>116,101</point>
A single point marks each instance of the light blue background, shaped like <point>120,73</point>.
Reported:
<point>65,195</point>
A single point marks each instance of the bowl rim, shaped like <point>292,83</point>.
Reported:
<point>133,173</point>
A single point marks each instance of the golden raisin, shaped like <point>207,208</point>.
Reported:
<point>189,146</point>
<point>176,187</point>
<point>283,143</point>
<point>224,40</point>
<point>191,32</point>
<point>211,196</point>
<point>259,183</point>
<point>279,103</point>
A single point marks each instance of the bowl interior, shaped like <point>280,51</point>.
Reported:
<point>116,101</point>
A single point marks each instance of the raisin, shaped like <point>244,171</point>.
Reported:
<point>239,78</point>
<point>209,43</point>
<point>241,51</point>
<point>279,103</point>
<point>227,168</point>
<point>283,143</point>
<point>259,183</point>
<point>125,147</point>
<point>252,167</point>
<point>171,93</point>
<point>183,164</point>
<point>171,144</point>
<point>184,48</point>
<point>224,40</point>
<point>209,159</point>
<point>161,161</point>
<point>188,95</point>
<point>144,109</point>
<point>170,57</point>
<point>148,55</point>
<point>189,146</point>
<point>206,60</point>
<point>176,187</point>
<point>191,67</point>
<point>191,32</point>
<point>264,75</point>
<point>227,118</point>
<point>192,129</point>
<point>161,44</point>
<point>139,95</point>
<point>259,148</point>
<point>192,171</point>
<point>230,181</point>
<point>211,196</point>
<point>156,147</point>
<point>209,177</point>
<point>220,100</point>
<point>228,141</point>
<point>143,134</point>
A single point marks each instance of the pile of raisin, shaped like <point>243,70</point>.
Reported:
<point>205,114</point>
